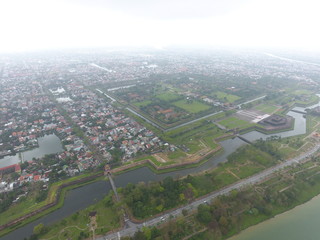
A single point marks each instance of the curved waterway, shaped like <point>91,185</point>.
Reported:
<point>83,197</point>
<point>300,223</point>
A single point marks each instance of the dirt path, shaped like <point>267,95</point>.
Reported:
<point>66,228</point>
<point>233,174</point>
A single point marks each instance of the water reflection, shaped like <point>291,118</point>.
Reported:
<point>48,144</point>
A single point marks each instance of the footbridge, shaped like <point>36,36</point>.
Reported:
<point>127,221</point>
<point>298,111</point>
<point>114,188</point>
<point>244,139</point>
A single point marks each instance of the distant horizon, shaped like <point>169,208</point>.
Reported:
<point>47,24</point>
<point>170,48</point>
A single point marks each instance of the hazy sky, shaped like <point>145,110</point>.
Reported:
<point>41,24</point>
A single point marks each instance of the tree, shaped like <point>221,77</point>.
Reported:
<point>139,236</point>
<point>39,229</point>
<point>204,214</point>
<point>185,212</point>
<point>223,221</point>
<point>147,232</point>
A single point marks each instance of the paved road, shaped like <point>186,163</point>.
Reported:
<point>239,106</point>
<point>192,121</point>
<point>131,228</point>
<point>146,119</point>
<point>111,98</point>
<point>291,60</point>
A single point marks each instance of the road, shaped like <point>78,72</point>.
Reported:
<point>131,228</point>
<point>146,119</point>
<point>111,98</point>
<point>239,106</point>
<point>192,121</point>
<point>291,60</point>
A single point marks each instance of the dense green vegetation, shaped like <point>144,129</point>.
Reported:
<point>228,215</point>
<point>145,200</point>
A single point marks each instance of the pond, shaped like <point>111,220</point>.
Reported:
<point>48,144</point>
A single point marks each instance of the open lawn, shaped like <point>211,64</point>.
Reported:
<point>142,104</point>
<point>247,170</point>
<point>233,122</point>
<point>24,206</point>
<point>230,98</point>
<point>176,154</point>
<point>193,107</point>
<point>266,108</point>
<point>195,135</point>
<point>302,92</point>
<point>311,100</point>
<point>168,96</point>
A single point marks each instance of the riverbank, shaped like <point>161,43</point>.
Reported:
<point>301,222</point>
<point>305,192</point>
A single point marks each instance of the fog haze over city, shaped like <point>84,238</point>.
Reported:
<point>47,24</point>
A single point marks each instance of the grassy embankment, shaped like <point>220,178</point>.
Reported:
<point>77,226</point>
<point>30,205</point>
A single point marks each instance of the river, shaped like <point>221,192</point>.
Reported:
<point>302,222</point>
<point>48,144</point>
<point>82,197</point>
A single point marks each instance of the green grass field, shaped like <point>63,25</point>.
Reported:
<point>176,154</point>
<point>233,122</point>
<point>266,108</point>
<point>23,207</point>
<point>191,135</point>
<point>142,104</point>
<point>247,170</point>
<point>302,92</point>
<point>230,98</point>
<point>193,107</point>
<point>168,96</point>
<point>312,100</point>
